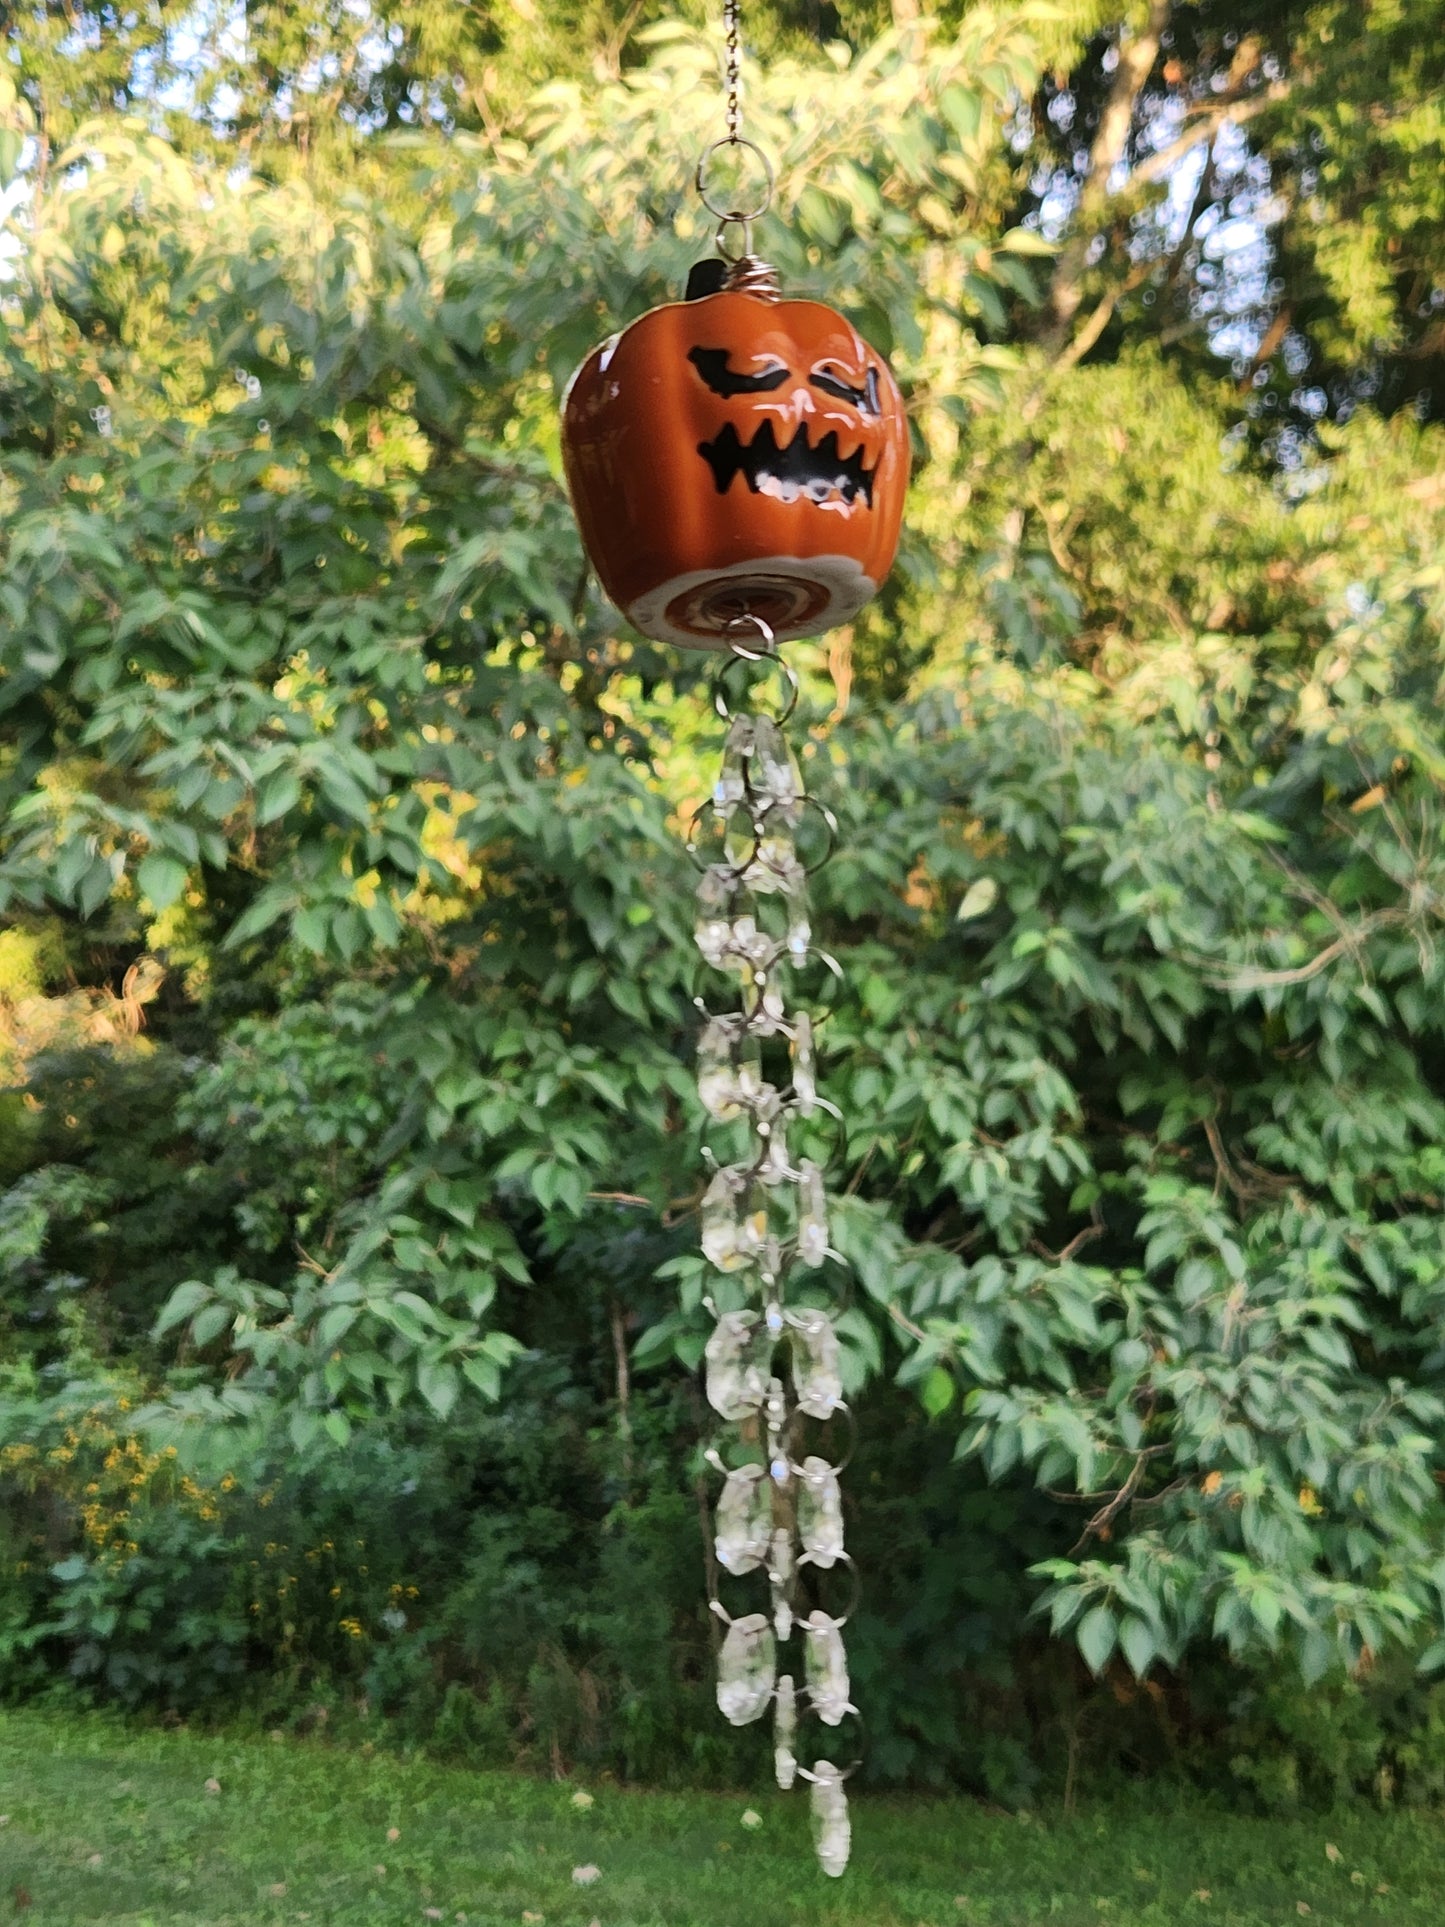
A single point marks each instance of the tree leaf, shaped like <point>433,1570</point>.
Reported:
<point>1096,1635</point>
<point>162,879</point>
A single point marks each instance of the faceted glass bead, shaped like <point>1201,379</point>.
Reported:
<point>826,1666</point>
<point>780,1574</point>
<point>743,1521</point>
<point>712,935</point>
<point>735,944</point>
<point>817,1373</point>
<point>717,886</point>
<point>745,1669</point>
<point>716,1077</point>
<point>820,1512</point>
<point>777,1417</point>
<point>785,1733</point>
<point>740,847</point>
<point>765,1020</point>
<point>775,868</point>
<point>832,1833</point>
<point>737,1378</point>
<point>771,1008</point>
<point>780,1556</point>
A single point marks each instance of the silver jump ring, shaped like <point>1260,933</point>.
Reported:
<point>735,213</point>
<point>830,825</point>
<point>761,629</point>
<point>702,864</point>
<point>720,240</point>
<point>843,1772</point>
<point>792,1108</point>
<point>840,1466</point>
<point>841,1559</point>
<point>790,677</point>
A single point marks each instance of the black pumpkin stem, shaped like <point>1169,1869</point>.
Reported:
<point>705,277</point>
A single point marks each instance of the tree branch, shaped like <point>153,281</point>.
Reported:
<point>1269,343</point>
<point>1210,121</point>
<point>1136,63</point>
<point>905,1323</point>
<point>1084,340</point>
<point>1254,978</point>
<point>1092,1230</point>
<point>618,1322</point>
<point>1104,1518</point>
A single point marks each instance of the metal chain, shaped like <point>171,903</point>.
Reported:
<point>736,214</point>
<point>774,1360</point>
<point>732,10</point>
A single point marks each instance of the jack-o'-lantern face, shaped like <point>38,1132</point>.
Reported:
<point>737,454</point>
<point>795,434</point>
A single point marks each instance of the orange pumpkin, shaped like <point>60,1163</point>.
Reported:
<point>737,455</point>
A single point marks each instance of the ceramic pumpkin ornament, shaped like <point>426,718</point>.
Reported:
<point>737,454</point>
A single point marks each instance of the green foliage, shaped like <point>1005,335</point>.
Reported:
<point>1377,1735</point>
<point>1261,195</point>
<point>310,710</point>
<point>522,1587</point>
<point>1375,252</point>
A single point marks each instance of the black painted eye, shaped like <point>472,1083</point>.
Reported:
<point>712,365</point>
<point>864,399</point>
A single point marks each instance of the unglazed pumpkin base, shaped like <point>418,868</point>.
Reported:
<point>794,595</point>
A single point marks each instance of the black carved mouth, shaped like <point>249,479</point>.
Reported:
<point>797,472</point>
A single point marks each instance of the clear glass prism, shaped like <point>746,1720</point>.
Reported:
<point>734,1218</point>
<point>736,1364</point>
<point>745,1670</point>
<point>820,1511</point>
<point>743,1520</point>
<point>732,783</point>
<point>825,1666</point>
<point>817,1363</point>
<point>776,779</point>
<point>812,1214</point>
<point>785,1733</point>
<point>832,1831</point>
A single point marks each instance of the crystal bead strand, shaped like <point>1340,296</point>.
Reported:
<point>771,1365</point>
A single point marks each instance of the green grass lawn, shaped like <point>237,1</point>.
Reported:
<point>108,1823</point>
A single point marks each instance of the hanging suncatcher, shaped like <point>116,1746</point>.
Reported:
<point>737,464</point>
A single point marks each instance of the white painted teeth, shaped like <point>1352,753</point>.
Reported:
<point>820,489</point>
<point>770,484</point>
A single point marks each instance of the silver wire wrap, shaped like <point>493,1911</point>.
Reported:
<point>773,1363</point>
